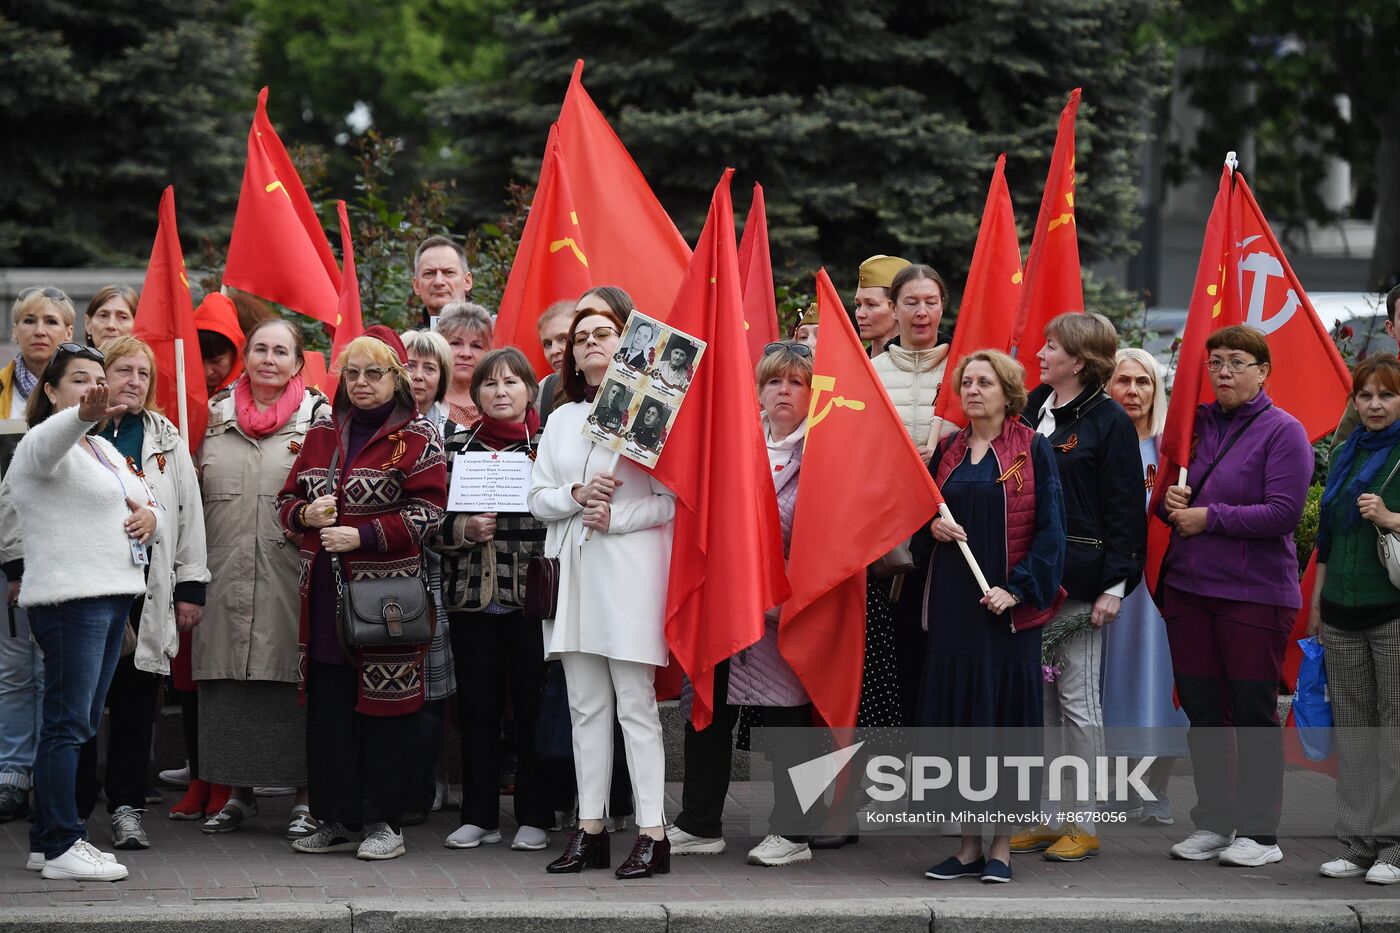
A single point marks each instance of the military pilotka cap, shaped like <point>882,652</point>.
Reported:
<point>809,316</point>
<point>879,271</point>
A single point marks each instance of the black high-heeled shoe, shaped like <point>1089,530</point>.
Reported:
<point>649,857</point>
<point>583,850</point>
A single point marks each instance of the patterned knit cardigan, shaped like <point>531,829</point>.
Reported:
<point>398,486</point>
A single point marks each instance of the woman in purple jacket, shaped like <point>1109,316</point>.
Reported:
<point>1230,595</point>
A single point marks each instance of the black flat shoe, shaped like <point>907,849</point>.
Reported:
<point>583,850</point>
<point>832,842</point>
<point>649,857</point>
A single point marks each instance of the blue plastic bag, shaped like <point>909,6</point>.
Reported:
<point>1312,710</point>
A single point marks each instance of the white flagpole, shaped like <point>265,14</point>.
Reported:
<point>182,406</point>
<point>966,553</point>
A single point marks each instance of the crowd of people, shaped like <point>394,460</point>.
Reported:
<point>316,606</point>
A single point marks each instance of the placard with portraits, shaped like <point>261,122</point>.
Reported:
<point>643,389</point>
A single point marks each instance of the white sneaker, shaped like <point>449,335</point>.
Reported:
<point>1247,853</point>
<point>82,863</point>
<point>1383,873</point>
<point>273,790</point>
<point>176,777</point>
<point>1201,845</point>
<point>530,839</point>
<point>469,836</point>
<point>775,850</point>
<point>126,829</point>
<point>36,859</point>
<point>380,843</point>
<point>683,843</point>
<point>1341,868</point>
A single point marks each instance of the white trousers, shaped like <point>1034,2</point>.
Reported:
<point>598,685</point>
<point>1074,712</point>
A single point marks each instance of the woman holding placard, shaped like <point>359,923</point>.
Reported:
<point>484,555</point>
<point>608,628</point>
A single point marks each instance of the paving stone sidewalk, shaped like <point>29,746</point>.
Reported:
<point>185,867</point>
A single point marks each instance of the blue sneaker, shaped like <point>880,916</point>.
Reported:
<point>1157,812</point>
<point>951,869</point>
<point>996,872</point>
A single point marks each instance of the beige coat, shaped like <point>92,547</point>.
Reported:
<point>253,609</point>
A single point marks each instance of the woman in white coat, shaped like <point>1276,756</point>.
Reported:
<point>609,625</point>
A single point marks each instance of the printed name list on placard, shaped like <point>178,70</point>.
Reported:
<point>489,482</point>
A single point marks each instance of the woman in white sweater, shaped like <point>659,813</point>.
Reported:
<point>78,505</point>
<point>609,627</point>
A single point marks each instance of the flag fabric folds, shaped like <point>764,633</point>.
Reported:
<point>551,263</point>
<point>164,315</point>
<point>1053,281</point>
<point>756,279</point>
<point>727,552</point>
<point>349,322</point>
<point>279,249</point>
<point>841,525</point>
<point>631,240</point>
<point>992,294</point>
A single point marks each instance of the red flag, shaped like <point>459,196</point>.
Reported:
<point>839,526</point>
<point>727,551</point>
<point>551,263</point>
<point>164,316</point>
<point>278,249</point>
<point>632,242</point>
<point>1053,283</point>
<point>992,294</point>
<point>756,280</point>
<point>349,322</point>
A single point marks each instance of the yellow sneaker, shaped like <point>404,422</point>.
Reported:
<point>1074,846</point>
<point>1035,839</point>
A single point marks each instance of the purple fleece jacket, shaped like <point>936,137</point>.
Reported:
<point>1254,501</point>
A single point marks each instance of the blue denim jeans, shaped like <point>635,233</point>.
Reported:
<point>21,701</point>
<point>81,641</point>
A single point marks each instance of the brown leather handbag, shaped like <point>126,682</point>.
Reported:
<point>541,600</point>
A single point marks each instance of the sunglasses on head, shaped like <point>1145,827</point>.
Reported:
<point>49,292</point>
<point>792,346</point>
<point>77,349</point>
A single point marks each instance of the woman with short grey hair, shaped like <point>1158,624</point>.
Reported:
<point>467,328</point>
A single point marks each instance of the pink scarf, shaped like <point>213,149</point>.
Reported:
<point>259,424</point>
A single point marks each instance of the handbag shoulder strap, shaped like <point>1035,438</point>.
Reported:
<point>1393,470</point>
<point>1230,442</point>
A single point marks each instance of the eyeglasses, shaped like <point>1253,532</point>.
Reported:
<point>599,334</point>
<point>1236,366</point>
<point>49,292</point>
<point>77,349</point>
<point>372,375</point>
<point>792,346</point>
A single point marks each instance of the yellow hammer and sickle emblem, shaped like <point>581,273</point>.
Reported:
<point>1068,216</point>
<point>277,186</point>
<point>568,242</point>
<point>822,384</point>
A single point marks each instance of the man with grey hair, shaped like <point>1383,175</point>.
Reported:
<point>440,275</point>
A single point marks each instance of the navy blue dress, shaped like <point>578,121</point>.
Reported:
<point>977,672</point>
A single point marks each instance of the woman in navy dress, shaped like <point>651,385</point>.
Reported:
<point>982,667</point>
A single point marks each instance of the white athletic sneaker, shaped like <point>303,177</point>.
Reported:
<point>126,829</point>
<point>1341,868</point>
<point>469,836</point>
<point>176,777</point>
<point>82,863</point>
<point>683,843</point>
<point>774,850</point>
<point>331,837</point>
<point>1383,873</point>
<point>1247,853</point>
<point>530,839</point>
<point>36,859</point>
<point>1202,845</point>
<point>380,843</point>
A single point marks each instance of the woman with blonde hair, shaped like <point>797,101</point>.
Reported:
<point>467,328</point>
<point>1138,709</point>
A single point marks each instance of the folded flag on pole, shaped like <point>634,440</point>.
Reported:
<point>279,250</point>
<point>756,280</point>
<point>727,549</point>
<point>840,527</point>
<point>165,321</point>
<point>349,322</point>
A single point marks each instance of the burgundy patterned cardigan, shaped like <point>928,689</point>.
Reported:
<point>396,485</point>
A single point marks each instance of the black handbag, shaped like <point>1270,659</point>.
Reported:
<point>541,600</point>
<point>389,612</point>
<point>554,730</point>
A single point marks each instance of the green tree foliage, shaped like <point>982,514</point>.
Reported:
<point>1274,71</point>
<point>873,124</point>
<point>107,103</point>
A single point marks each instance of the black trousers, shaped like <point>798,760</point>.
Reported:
<point>131,717</point>
<point>709,754</point>
<point>910,639</point>
<point>498,656</point>
<point>360,769</point>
